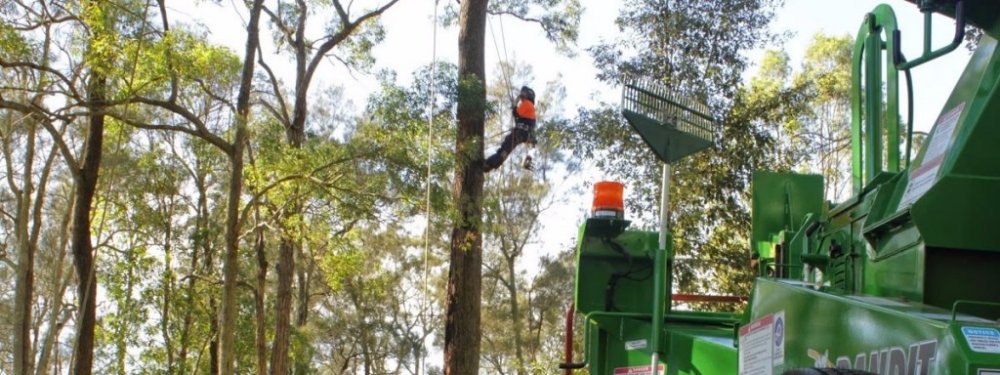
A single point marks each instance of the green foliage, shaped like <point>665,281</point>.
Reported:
<point>13,46</point>
<point>559,20</point>
<point>182,55</point>
<point>358,48</point>
<point>821,143</point>
<point>691,46</point>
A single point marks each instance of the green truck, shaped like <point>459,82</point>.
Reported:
<point>901,278</point>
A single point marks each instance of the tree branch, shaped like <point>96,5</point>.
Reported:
<point>45,69</point>
<point>548,32</point>
<point>30,110</point>
<point>347,28</point>
<point>200,131</point>
<point>277,92</point>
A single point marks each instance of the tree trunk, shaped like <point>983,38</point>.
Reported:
<point>213,332</point>
<point>83,249</point>
<point>123,329</point>
<point>295,135</point>
<point>55,325</point>
<point>199,243</point>
<point>168,290</point>
<point>462,323</point>
<point>230,268</point>
<point>261,314</point>
<point>515,316</point>
<point>25,261</point>
<point>301,365</point>
<point>185,339</point>
<point>230,261</point>
<point>283,304</point>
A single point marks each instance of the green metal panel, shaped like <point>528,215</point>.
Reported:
<point>878,334</point>
<point>598,261</point>
<point>690,346</point>
<point>615,265</point>
<point>966,193</point>
<point>779,204</point>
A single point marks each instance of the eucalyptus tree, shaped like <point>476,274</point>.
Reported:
<point>559,20</point>
<point>174,66</point>
<point>29,159</point>
<point>348,38</point>
<point>80,88</point>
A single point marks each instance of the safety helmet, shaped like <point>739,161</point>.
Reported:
<point>528,93</point>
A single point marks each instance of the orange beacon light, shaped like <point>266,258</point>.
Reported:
<point>608,200</point>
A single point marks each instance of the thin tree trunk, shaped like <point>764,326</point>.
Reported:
<point>58,290</point>
<point>123,329</point>
<point>261,314</point>
<point>200,242</point>
<point>515,316</point>
<point>462,323</point>
<point>83,249</point>
<point>168,287</point>
<point>185,339</point>
<point>27,239</point>
<point>301,365</point>
<point>25,262</point>
<point>213,331</point>
<point>283,305</point>
<point>230,268</point>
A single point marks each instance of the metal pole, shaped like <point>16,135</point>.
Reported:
<point>660,273</point>
<point>664,205</point>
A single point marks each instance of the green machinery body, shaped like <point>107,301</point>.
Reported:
<point>901,278</point>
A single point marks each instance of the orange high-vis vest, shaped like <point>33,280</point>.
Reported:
<point>526,109</point>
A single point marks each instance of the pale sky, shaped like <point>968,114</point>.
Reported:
<point>409,45</point>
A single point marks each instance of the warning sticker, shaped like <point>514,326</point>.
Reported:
<point>922,178</point>
<point>756,354</point>
<point>638,370</point>
<point>983,340</point>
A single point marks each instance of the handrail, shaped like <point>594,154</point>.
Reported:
<point>954,306</point>
<point>928,55</point>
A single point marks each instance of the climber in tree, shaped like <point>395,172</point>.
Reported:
<point>523,131</point>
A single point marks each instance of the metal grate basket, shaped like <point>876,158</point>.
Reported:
<point>674,126</point>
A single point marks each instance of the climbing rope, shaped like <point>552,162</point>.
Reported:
<point>504,59</point>
<point>506,70</point>
<point>427,196</point>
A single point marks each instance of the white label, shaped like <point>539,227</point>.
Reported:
<point>922,178</point>
<point>635,344</point>
<point>638,370</point>
<point>989,372</point>
<point>778,353</point>
<point>982,340</point>
<point>756,347</point>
